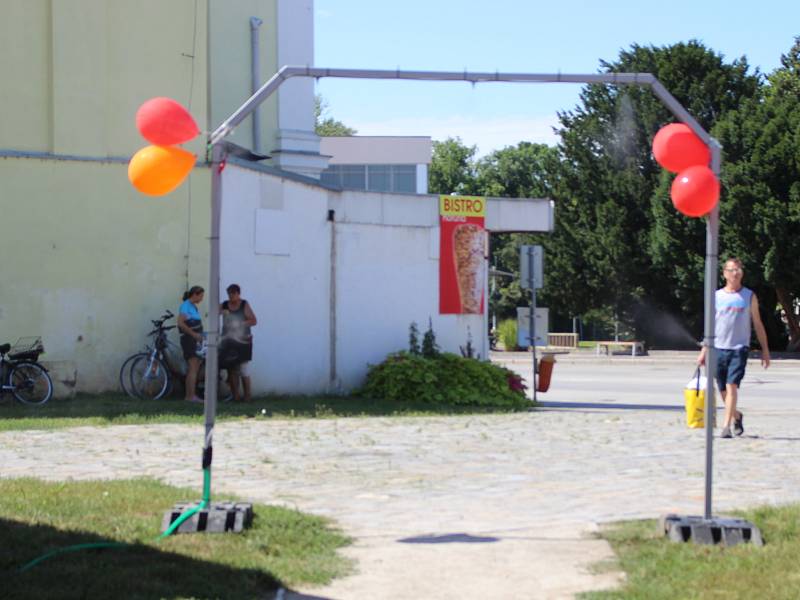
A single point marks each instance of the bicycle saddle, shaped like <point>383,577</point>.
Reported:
<point>4,348</point>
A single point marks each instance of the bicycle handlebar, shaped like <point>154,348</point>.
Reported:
<point>160,329</point>
<point>159,322</point>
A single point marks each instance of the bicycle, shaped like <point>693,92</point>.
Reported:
<point>22,375</point>
<point>151,373</point>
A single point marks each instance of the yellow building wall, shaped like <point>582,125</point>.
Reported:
<point>88,261</point>
<point>74,72</point>
<point>230,66</point>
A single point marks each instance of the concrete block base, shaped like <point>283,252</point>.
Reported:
<point>716,530</point>
<point>220,517</point>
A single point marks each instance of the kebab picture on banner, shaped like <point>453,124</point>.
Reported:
<point>462,249</point>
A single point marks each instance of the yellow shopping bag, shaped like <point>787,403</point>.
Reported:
<point>694,396</point>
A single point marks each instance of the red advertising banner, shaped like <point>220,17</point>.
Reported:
<point>462,246</point>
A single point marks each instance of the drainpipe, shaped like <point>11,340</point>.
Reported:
<point>332,376</point>
<point>255,81</point>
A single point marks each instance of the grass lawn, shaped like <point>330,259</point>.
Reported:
<point>119,409</point>
<point>657,568</point>
<point>283,547</point>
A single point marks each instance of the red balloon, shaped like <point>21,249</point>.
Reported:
<point>164,122</point>
<point>695,191</point>
<point>676,147</point>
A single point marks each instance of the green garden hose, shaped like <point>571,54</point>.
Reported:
<point>203,504</point>
<point>78,547</point>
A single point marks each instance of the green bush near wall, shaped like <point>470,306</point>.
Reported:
<point>444,379</point>
<point>507,333</point>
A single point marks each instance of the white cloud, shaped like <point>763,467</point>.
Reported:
<point>487,134</point>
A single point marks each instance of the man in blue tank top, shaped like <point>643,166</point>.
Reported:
<point>735,307</point>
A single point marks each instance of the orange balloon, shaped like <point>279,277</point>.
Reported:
<point>157,170</point>
<point>676,147</point>
<point>695,191</point>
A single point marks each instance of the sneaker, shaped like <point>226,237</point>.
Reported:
<point>738,424</point>
<point>726,433</point>
<point>198,400</point>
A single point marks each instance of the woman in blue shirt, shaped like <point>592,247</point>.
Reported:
<point>191,327</point>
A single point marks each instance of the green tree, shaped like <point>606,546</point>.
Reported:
<point>618,243</point>
<point>760,207</point>
<point>325,125</point>
<point>451,169</point>
<point>522,171</point>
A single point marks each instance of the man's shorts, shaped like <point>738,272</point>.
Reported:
<point>730,366</point>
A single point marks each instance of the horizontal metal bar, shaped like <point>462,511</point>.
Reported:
<point>288,71</point>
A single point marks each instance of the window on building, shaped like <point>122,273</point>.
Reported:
<point>374,178</point>
<point>405,178</point>
<point>354,177</point>
<point>379,178</point>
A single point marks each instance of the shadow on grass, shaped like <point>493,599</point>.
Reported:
<point>117,408</point>
<point>131,571</point>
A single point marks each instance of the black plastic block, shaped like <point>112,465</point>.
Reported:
<point>220,517</point>
<point>717,530</point>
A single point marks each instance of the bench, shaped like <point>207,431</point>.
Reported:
<point>637,348</point>
<point>562,340</point>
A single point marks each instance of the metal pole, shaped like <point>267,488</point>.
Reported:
<point>255,78</point>
<point>332,376</point>
<point>287,71</point>
<point>212,370</point>
<point>532,327</point>
<point>646,79</point>
<point>712,249</point>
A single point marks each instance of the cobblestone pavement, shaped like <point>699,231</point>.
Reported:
<point>497,506</point>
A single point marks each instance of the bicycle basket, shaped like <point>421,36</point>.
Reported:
<point>26,348</point>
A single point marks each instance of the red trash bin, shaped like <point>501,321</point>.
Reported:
<point>545,372</point>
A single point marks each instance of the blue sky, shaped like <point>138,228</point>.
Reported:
<point>514,36</point>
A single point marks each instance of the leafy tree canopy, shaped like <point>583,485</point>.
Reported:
<point>619,247</point>
<point>451,170</point>
<point>325,125</point>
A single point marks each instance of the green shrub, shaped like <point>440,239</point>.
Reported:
<point>444,379</point>
<point>430,349</point>
<point>413,339</point>
<point>507,333</point>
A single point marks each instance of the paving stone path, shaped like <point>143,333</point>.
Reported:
<point>497,506</point>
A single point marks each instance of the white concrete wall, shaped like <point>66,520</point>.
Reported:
<point>387,277</point>
<point>276,244</point>
<point>377,150</point>
<point>286,281</point>
<point>296,146</point>
<point>422,179</point>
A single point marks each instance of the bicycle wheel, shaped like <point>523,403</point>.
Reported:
<point>149,377</point>
<point>174,358</point>
<point>125,373</point>
<point>32,384</point>
<point>224,393</point>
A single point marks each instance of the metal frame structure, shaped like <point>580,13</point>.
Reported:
<point>217,154</point>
